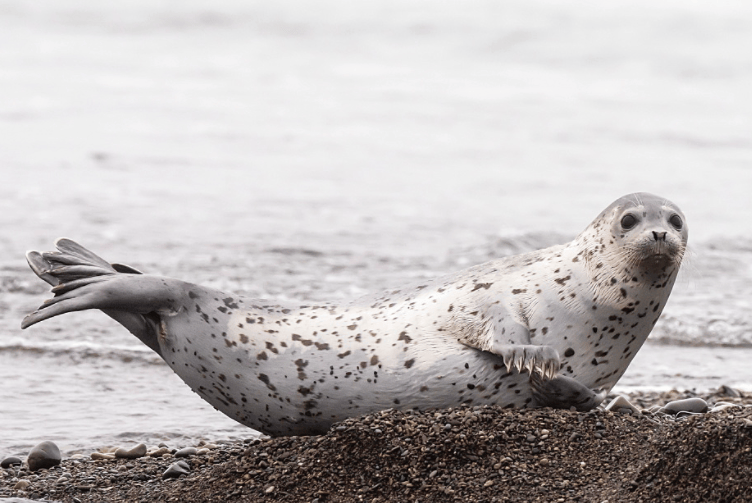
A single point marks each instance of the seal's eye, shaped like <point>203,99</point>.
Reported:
<point>628,221</point>
<point>676,221</point>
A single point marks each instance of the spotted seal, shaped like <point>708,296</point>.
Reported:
<point>554,327</point>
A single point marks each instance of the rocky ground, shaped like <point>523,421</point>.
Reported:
<point>480,454</point>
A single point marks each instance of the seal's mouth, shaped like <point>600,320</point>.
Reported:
<point>656,254</point>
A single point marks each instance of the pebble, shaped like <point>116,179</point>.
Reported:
<point>159,452</point>
<point>622,405</point>
<point>176,470</point>
<point>186,452</point>
<point>718,407</point>
<point>44,455</point>
<point>101,455</point>
<point>729,391</point>
<point>692,405</point>
<point>137,452</point>
<point>22,485</point>
<point>10,461</point>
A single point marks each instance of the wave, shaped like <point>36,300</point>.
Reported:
<point>80,350</point>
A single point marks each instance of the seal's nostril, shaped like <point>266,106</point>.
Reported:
<point>659,236</point>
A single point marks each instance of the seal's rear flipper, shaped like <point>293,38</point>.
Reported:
<point>563,392</point>
<point>80,279</point>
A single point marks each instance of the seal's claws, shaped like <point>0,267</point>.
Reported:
<point>541,360</point>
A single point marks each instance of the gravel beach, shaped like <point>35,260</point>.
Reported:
<point>466,454</point>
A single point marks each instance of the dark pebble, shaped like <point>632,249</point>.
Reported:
<point>10,461</point>
<point>44,455</point>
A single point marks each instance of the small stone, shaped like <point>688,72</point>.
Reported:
<point>729,391</point>
<point>44,455</point>
<point>21,485</point>
<point>186,452</point>
<point>176,470</point>
<point>693,405</point>
<point>269,490</point>
<point>10,461</point>
<point>159,452</point>
<point>622,405</point>
<point>137,452</point>
<point>101,456</point>
<point>488,483</point>
<point>202,452</point>
<point>721,406</point>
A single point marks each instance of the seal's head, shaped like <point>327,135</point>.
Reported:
<point>637,236</point>
<point>651,230</point>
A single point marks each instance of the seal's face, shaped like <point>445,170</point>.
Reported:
<point>651,232</point>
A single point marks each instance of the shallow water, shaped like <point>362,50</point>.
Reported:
<point>317,153</point>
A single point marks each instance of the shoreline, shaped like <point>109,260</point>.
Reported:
<point>461,454</point>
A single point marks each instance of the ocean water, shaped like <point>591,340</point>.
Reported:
<point>322,151</point>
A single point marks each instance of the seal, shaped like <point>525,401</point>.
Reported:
<point>554,327</point>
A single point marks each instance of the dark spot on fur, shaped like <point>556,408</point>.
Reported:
<point>404,337</point>
<point>478,286</point>
<point>305,342</point>
<point>409,363</point>
<point>569,352</point>
<point>517,291</point>
<point>321,345</point>
<point>304,391</point>
<point>262,356</point>
<point>230,302</point>
<point>343,355</point>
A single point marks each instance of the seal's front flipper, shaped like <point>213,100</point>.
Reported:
<point>564,392</point>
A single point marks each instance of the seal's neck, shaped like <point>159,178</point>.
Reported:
<point>615,278</point>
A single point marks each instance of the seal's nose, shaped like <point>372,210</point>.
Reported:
<point>659,236</point>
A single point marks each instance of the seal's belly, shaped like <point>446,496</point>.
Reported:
<point>270,372</point>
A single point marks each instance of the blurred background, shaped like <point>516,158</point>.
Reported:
<point>323,150</point>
